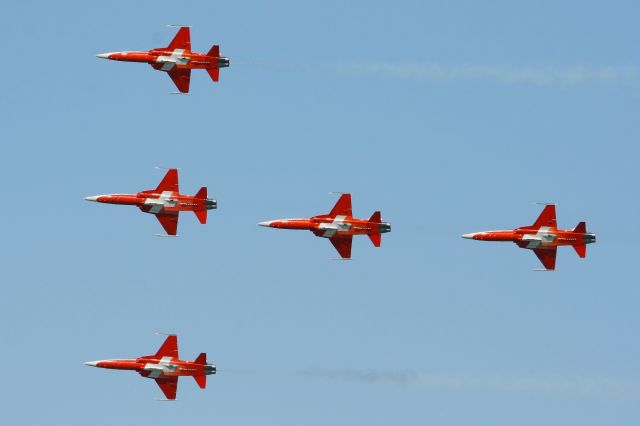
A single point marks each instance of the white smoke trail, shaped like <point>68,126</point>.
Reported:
<point>609,388</point>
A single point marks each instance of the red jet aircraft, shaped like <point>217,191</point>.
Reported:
<point>177,59</point>
<point>543,237</point>
<point>165,367</point>
<point>339,226</point>
<point>165,202</point>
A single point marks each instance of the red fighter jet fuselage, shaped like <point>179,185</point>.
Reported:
<point>165,367</point>
<point>339,226</point>
<point>165,202</point>
<point>543,237</point>
<point>177,59</point>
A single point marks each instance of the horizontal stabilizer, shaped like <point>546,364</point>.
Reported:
<point>581,249</point>
<point>201,215</point>
<point>215,51</point>
<point>201,194</point>
<point>581,228</point>
<point>214,73</point>
<point>202,359</point>
<point>376,239</point>
<point>376,217</point>
<point>201,381</point>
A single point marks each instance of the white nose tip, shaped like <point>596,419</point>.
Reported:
<point>92,198</point>
<point>468,236</point>
<point>103,55</point>
<point>92,363</point>
<point>266,223</point>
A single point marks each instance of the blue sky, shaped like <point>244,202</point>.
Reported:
<point>449,118</point>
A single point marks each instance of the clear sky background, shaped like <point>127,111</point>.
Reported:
<point>449,117</point>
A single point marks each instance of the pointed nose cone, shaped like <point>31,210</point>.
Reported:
<point>469,236</point>
<point>92,198</point>
<point>92,363</point>
<point>103,55</point>
<point>266,223</point>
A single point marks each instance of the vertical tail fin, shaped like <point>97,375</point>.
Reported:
<point>581,228</point>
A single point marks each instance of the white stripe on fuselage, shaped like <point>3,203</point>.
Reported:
<point>164,200</point>
<point>544,236</point>
<point>338,224</point>
<point>176,58</point>
<point>164,366</point>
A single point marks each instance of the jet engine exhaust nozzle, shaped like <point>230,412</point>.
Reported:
<point>223,62</point>
<point>384,227</point>
<point>211,204</point>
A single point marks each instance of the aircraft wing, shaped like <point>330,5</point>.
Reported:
<point>182,40</point>
<point>181,78</point>
<point>547,217</point>
<point>342,207</point>
<point>169,182</point>
<point>169,221</point>
<point>343,245</point>
<point>547,256</point>
<point>169,386</point>
<point>169,347</point>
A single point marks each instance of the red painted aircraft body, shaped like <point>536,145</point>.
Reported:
<point>177,59</point>
<point>165,367</point>
<point>165,202</point>
<point>339,226</point>
<point>543,237</point>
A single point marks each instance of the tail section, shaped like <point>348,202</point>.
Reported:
<point>201,194</point>
<point>581,228</point>
<point>214,73</point>
<point>201,381</point>
<point>202,359</point>
<point>214,51</point>
<point>376,239</point>
<point>581,249</point>
<point>201,215</point>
